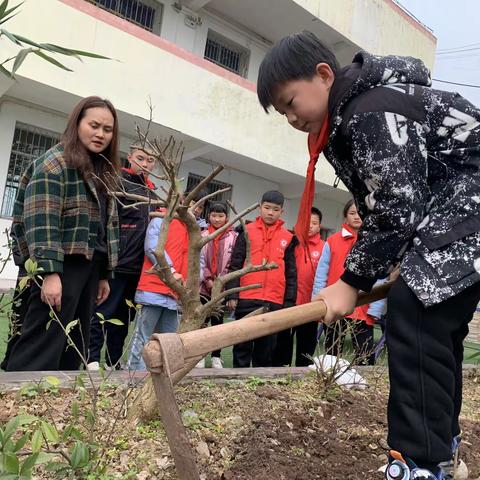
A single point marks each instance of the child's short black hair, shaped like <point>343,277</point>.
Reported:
<point>347,207</point>
<point>318,213</point>
<point>292,58</point>
<point>218,207</point>
<point>273,196</point>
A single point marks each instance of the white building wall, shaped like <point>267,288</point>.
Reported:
<point>175,29</point>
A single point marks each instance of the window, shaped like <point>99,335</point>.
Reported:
<point>28,144</point>
<point>194,179</point>
<point>226,53</point>
<point>145,14</point>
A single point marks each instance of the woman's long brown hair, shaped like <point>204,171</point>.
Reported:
<point>77,156</point>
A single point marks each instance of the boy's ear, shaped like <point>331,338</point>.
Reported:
<point>325,72</point>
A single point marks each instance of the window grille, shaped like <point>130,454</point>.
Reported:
<point>135,11</point>
<point>29,143</point>
<point>193,180</point>
<point>226,53</point>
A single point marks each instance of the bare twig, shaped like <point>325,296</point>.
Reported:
<point>210,195</point>
<point>231,222</point>
<point>203,183</point>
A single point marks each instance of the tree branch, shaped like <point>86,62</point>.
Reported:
<point>211,195</point>
<point>203,183</point>
<point>231,222</point>
<point>206,308</point>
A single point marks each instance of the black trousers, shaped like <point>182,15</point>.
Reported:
<point>425,353</point>
<point>19,309</point>
<point>213,320</point>
<point>362,340</point>
<point>306,343</point>
<point>122,288</point>
<point>258,352</point>
<point>39,348</point>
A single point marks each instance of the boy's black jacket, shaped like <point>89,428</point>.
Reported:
<point>410,155</point>
<point>133,224</point>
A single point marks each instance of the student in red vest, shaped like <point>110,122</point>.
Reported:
<point>329,270</point>
<point>307,258</point>
<point>159,304</point>
<point>270,242</point>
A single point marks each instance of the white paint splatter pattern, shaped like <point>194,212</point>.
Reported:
<point>415,172</point>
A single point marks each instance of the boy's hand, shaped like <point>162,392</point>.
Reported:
<point>340,299</point>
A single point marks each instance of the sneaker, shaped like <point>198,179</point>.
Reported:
<point>93,366</point>
<point>217,362</point>
<point>455,469</point>
<point>200,364</point>
<point>400,468</point>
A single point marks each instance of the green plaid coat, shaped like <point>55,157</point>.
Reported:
<point>54,215</point>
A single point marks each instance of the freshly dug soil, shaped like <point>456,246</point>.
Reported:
<point>254,430</point>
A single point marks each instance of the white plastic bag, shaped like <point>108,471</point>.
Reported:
<point>344,374</point>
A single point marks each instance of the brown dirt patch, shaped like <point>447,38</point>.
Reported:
<point>258,431</point>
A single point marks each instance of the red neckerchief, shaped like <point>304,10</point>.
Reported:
<point>147,181</point>
<point>315,146</point>
<point>216,242</point>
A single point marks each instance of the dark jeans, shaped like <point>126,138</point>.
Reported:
<point>362,340</point>
<point>19,309</point>
<point>122,288</point>
<point>306,344</point>
<point>425,354</point>
<point>213,320</point>
<point>258,352</point>
<point>39,348</point>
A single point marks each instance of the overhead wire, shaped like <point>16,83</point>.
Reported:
<point>456,83</point>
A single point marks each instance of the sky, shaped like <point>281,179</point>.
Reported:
<point>456,24</point>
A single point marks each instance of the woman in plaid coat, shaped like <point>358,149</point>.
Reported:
<point>65,221</point>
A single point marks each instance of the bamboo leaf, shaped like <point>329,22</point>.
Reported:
<point>10,36</point>
<point>71,52</point>
<point>50,59</point>
<point>21,56</point>
<point>3,7</point>
<point>6,19</point>
<point>22,39</point>
<point>6,12</point>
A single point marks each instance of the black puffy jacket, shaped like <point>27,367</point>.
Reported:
<point>133,223</point>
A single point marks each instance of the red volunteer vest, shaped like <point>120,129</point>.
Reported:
<point>269,245</point>
<point>177,248</point>
<point>340,244</point>
<point>307,266</point>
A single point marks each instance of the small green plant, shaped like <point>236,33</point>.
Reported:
<point>253,382</point>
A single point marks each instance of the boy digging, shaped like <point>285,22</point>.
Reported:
<point>410,156</point>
